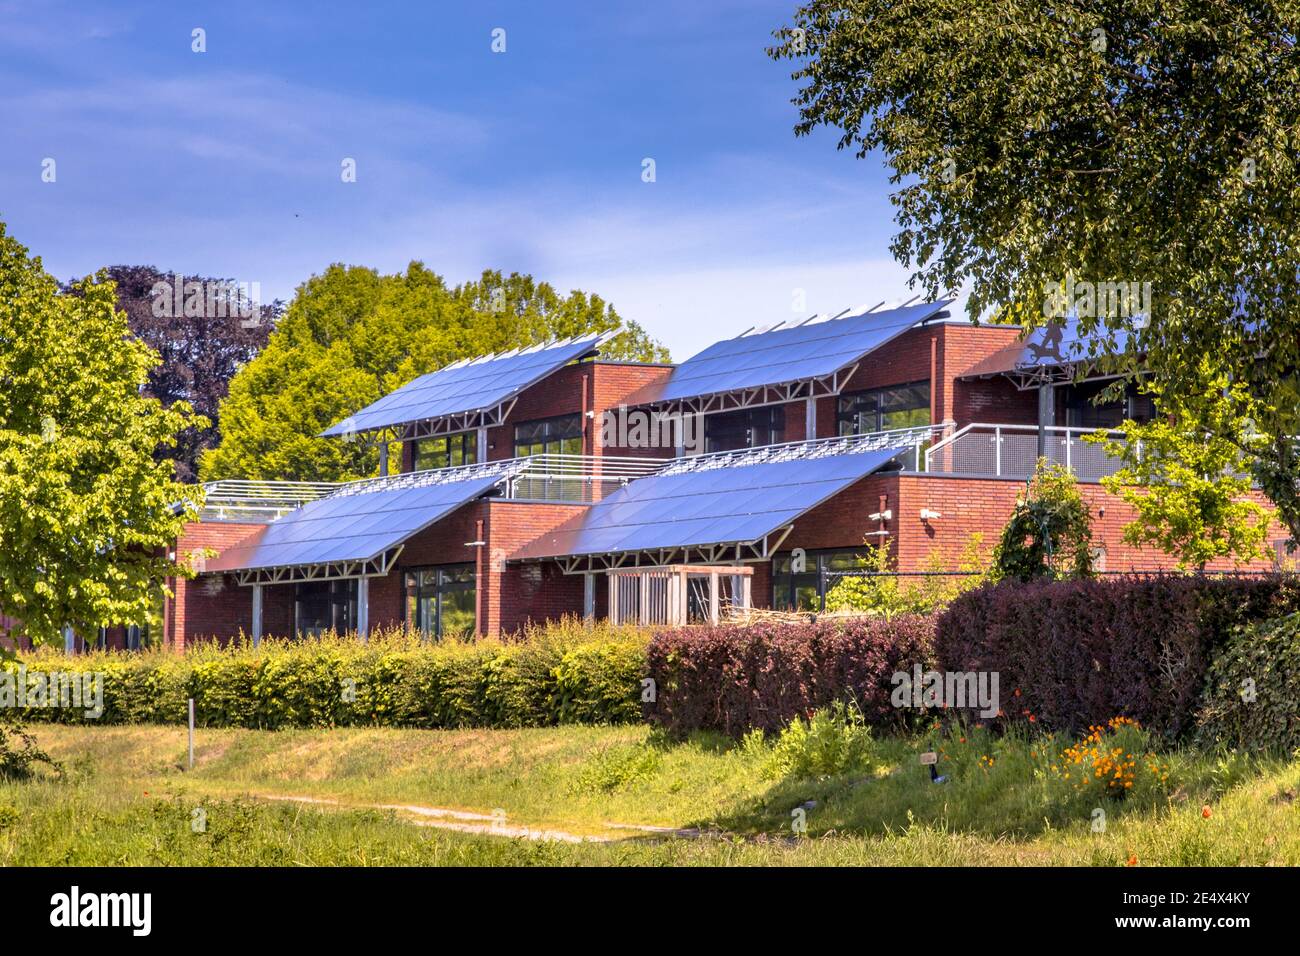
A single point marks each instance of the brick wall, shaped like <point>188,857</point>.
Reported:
<point>209,606</point>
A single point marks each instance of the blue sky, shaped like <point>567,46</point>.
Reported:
<point>228,162</point>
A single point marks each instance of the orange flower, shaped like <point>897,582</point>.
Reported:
<point>1132,860</point>
<point>1205,812</point>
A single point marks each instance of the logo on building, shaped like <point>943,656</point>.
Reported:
<point>622,427</point>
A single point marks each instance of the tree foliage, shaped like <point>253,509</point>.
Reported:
<point>883,591</point>
<point>1187,486</point>
<point>200,345</point>
<point>1049,534</point>
<point>1112,140</point>
<point>86,511</point>
<point>352,335</point>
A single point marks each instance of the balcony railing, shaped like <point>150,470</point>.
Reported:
<point>1012,451</point>
<point>581,479</point>
<point>258,501</point>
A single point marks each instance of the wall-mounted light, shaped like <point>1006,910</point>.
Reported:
<point>885,515</point>
<point>928,515</point>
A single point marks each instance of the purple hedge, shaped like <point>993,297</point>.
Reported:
<point>1080,652</point>
<point>733,678</point>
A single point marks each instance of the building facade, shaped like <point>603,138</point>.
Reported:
<point>551,481</point>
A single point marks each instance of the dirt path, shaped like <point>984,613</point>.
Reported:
<point>464,821</point>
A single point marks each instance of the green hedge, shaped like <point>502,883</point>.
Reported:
<point>564,674</point>
<point>1252,691</point>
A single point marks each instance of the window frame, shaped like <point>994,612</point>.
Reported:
<point>847,420</point>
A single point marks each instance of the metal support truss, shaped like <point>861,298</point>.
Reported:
<point>737,552</point>
<point>329,571</point>
<point>820,387</point>
<point>434,427</point>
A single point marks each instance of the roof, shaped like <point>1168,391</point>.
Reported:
<point>695,504</point>
<point>812,349</point>
<point>1049,346</point>
<point>470,385</point>
<point>361,521</point>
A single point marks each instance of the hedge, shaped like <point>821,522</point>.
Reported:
<point>734,678</point>
<point>1252,692</point>
<point>393,681</point>
<point>1075,653</point>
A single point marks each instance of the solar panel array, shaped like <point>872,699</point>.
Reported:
<point>709,507</point>
<point>466,386</point>
<point>810,350</point>
<point>352,526</point>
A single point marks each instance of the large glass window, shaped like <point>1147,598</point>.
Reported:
<point>881,409</point>
<point>549,436</point>
<point>321,606</point>
<point>747,428</point>
<point>446,451</point>
<point>1083,411</point>
<point>801,588</point>
<point>441,601</point>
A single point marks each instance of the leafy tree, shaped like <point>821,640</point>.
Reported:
<point>86,511</point>
<point>886,593</point>
<point>202,338</point>
<point>1109,140</point>
<point>352,335</point>
<point>1190,494</point>
<point>1049,534</point>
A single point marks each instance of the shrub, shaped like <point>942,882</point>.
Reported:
<point>734,678</point>
<point>1252,690</point>
<point>882,591</point>
<point>559,674</point>
<point>1049,534</point>
<point>834,740</point>
<point>1074,653</point>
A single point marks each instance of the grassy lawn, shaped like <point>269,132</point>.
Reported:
<point>126,798</point>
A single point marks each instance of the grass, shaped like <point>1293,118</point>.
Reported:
<point>126,799</point>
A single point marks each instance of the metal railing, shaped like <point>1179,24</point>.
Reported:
<point>581,479</point>
<point>237,499</point>
<point>1012,451</point>
<point>911,441</point>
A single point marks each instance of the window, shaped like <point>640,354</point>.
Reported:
<point>1082,411</point>
<point>549,436</point>
<point>747,428</point>
<point>882,409</point>
<point>446,451</point>
<point>442,601</point>
<point>802,590</point>
<point>320,606</point>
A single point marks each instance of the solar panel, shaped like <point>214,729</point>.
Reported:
<point>737,505</point>
<point>353,524</point>
<point>466,386</point>
<point>810,350</point>
<point>1057,343</point>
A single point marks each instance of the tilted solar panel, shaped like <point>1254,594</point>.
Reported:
<point>783,355</point>
<point>350,526</point>
<point>464,387</point>
<point>711,507</point>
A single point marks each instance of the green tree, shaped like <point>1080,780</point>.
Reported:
<point>1109,140</point>
<point>1049,534</point>
<point>352,335</point>
<point>1187,486</point>
<point>86,512</point>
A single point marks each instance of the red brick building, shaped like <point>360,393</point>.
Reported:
<point>529,484</point>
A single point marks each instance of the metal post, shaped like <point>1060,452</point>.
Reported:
<point>589,596</point>
<point>363,608</point>
<point>191,733</point>
<point>257,614</point>
<point>997,451</point>
<point>383,459</point>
